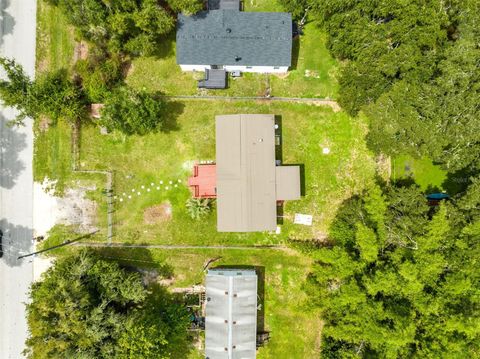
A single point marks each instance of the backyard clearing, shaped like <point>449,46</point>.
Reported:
<point>150,170</point>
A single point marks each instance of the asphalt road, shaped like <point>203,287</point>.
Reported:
<point>17,40</point>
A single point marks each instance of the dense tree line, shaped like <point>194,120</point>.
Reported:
<point>400,279</point>
<point>129,26</point>
<point>413,68</point>
<point>86,307</point>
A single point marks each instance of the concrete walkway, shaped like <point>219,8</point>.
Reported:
<point>17,41</point>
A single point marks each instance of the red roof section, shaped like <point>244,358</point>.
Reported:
<point>203,183</point>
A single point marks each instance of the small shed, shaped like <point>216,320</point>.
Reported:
<point>214,79</point>
<point>231,314</point>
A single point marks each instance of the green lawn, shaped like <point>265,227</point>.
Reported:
<point>55,42</point>
<point>141,161</point>
<point>314,71</point>
<point>426,174</point>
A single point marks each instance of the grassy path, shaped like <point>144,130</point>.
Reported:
<point>305,100</point>
<point>173,246</point>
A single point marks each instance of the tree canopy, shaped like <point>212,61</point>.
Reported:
<point>413,68</point>
<point>86,307</point>
<point>52,95</point>
<point>400,279</point>
<point>129,26</point>
<point>133,112</point>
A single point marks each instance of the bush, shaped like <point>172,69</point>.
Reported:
<point>133,112</point>
<point>198,208</point>
<point>99,76</point>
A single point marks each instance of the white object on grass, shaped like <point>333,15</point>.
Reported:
<point>326,150</point>
<point>305,219</point>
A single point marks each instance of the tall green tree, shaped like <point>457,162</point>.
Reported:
<point>52,95</point>
<point>414,294</point>
<point>133,112</point>
<point>85,307</point>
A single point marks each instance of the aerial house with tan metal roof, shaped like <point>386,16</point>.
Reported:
<point>249,184</point>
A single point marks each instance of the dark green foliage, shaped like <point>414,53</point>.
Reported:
<point>413,67</point>
<point>99,76</point>
<point>133,112</point>
<point>52,95</point>
<point>400,281</point>
<point>86,307</point>
<point>128,26</point>
<point>297,8</point>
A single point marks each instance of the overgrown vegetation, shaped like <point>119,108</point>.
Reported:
<point>52,95</point>
<point>400,279</point>
<point>90,308</point>
<point>133,112</point>
<point>133,27</point>
<point>198,208</point>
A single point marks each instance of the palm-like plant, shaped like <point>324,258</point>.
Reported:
<point>199,207</point>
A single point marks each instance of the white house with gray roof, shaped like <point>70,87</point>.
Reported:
<point>233,40</point>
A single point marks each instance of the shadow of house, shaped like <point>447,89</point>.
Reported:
<point>12,142</point>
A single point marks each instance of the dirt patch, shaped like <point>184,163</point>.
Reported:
<point>282,76</point>
<point>383,164</point>
<point>158,214</point>
<point>127,68</point>
<point>44,123</point>
<point>81,51</point>
<point>330,103</point>
<point>72,209</point>
<point>312,73</point>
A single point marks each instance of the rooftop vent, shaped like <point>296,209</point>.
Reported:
<point>229,30</point>
<point>237,58</point>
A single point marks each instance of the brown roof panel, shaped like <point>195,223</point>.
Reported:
<point>246,191</point>
<point>288,182</point>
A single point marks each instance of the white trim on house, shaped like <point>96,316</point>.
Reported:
<point>255,69</point>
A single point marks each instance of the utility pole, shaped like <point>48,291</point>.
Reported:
<point>66,243</point>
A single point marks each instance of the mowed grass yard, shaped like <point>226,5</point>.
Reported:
<point>164,157</point>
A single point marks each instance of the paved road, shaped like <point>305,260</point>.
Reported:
<point>17,40</point>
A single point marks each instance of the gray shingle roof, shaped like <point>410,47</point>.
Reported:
<point>228,37</point>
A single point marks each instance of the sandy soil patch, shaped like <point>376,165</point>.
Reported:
<point>158,214</point>
<point>71,209</point>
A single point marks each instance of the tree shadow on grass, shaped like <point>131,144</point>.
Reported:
<point>136,259</point>
<point>458,181</point>
<point>173,109</point>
